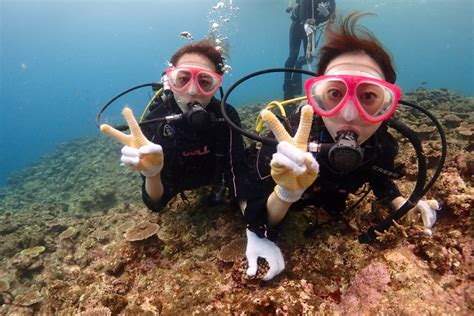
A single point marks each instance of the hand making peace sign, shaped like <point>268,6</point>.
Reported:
<point>293,168</point>
<point>138,152</point>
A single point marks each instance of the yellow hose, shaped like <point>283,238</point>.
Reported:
<point>280,105</point>
<point>145,111</point>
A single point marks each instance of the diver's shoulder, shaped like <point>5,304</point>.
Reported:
<point>230,109</point>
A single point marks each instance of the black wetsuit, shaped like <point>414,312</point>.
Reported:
<point>194,159</point>
<point>303,11</point>
<point>331,189</point>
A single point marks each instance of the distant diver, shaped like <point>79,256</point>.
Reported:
<point>309,19</point>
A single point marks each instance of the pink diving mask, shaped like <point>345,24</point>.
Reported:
<point>206,81</point>
<point>375,99</point>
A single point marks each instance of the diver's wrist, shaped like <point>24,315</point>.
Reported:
<point>287,195</point>
<point>397,202</point>
<point>152,173</point>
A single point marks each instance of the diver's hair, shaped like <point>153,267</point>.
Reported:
<point>345,36</point>
<point>204,48</point>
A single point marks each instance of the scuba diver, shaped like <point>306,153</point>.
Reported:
<point>183,142</point>
<point>354,97</point>
<point>309,19</point>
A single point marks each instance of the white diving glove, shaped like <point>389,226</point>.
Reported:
<point>323,8</point>
<point>263,248</point>
<point>131,157</point>
<point>427,210</point>
<point>309,26</point>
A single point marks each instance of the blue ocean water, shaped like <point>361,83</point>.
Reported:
<point>62,60</point>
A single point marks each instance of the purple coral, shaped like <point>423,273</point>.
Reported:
<point>366,289</point>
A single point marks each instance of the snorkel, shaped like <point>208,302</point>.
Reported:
<point>347,145</point>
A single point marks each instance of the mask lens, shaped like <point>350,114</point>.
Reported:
<point>180,78</point>
<point>374,98</point>
<point>328,94</point>
<point>207,82</point>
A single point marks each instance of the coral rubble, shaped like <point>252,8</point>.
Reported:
<point>75,239</point>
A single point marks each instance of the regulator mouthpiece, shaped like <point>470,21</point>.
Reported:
<point>346,155</point>
<point>197,117</point>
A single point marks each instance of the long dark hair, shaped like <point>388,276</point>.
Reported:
<point>346,36</point>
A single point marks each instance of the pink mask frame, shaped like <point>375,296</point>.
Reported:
<point>195,72</point>
<point>352,83</point>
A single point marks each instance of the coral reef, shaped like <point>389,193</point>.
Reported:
<point>33,252</point>
<point>99,311</point>
<point>72,245</point>
<point>141,231</point>
<point>4,285</point>
<point>366,289</point>
<point>233,251</point>
<point>27,298</point>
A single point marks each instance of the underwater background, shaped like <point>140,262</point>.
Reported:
<point>76,238</point>
<point>62,60</point>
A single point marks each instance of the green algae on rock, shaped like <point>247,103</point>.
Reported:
<point>33,252</point>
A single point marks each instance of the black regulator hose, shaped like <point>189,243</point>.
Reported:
<point>264,140</point>
<point>123,127</point>
<point>370,236</point>
<point>444,145</point>
<point>420,188</point>
<point>156,85</point>
<point>419,191</point>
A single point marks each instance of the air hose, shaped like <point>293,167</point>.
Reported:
<point>420,188</point>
